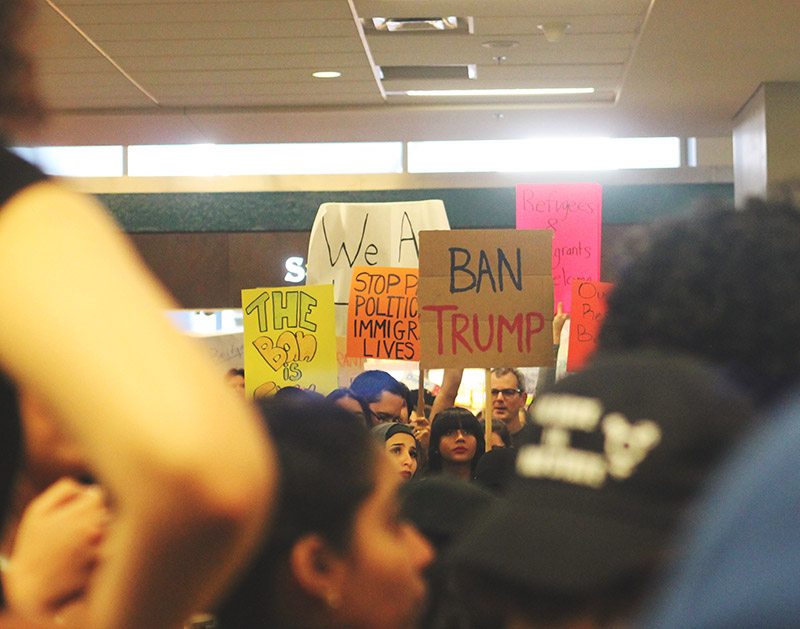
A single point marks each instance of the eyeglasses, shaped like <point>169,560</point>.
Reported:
<point>505,392</point>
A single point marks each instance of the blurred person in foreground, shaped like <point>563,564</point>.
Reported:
<point>723,285</point>
<point>340,555</point>
<point>184,465</point>
<point>741,550</point>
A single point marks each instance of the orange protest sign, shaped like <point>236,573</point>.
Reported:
<point>588,309</point>
<point>382,320</point>
<point>486,298</point>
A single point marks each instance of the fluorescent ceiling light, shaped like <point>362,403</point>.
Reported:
<point>326,75</point>
<point>394,24</point>
<point>544,91</point>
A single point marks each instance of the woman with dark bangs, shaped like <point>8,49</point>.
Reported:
<point>457,443</point>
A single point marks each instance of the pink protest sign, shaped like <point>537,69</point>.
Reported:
<point>574,212</point>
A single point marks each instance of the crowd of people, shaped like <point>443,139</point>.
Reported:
<point>656,487</point>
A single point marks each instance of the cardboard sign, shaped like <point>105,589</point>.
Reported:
<point>588,309</point>
<point>345,235</point>
<point>382,319</point>
<point>486,298</point>
<point>349,366</point>
<point>574,213</point>
<point>289,339</point>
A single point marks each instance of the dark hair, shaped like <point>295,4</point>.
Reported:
<point>345,392</point>
<point>292,393</point>
<point>10,442</point>
<point>723,285</point>
<point>369,385</point>
<point>454,418</point>
<point>19,103</point>
<point>327,461</point>
<point>500,428</point>
<point>414,399</point>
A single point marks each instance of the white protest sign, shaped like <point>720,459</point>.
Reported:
<point>345,235</point>
<point>226,349</point>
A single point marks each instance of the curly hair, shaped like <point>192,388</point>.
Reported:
<point>723,284</point>
<point>19,101</point>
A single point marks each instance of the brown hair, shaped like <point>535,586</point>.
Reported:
<point>19,103</point>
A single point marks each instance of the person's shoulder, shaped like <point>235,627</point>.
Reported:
<point>47,199</point>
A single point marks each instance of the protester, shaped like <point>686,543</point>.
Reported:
<point>349,401</point>
<point>56,522</point>
<point>501,438</point>
<point>509,395</point>
<point>495,470</point>
<point>340,554</point>
<point>385,396</point>
<point>740,552</point>
<point>234,378</point>
<point>442,507</point>
<point>428,399</point>
<point>184,463</point>
<point>56,548</point>
<point>615,455</point>
<point>400,444</point>
<point>457,443</point>
<point>722,285</point>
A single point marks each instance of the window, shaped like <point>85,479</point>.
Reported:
<point>543,154</point>
<point>76,161</point>
<point>209,160</point>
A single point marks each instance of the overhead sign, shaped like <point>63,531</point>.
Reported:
<point>382,319</point>
<point>289,339</point>
<point>486,298</point>
<point>345,235</point>
<point>573,212</point>
<point>588,310</point>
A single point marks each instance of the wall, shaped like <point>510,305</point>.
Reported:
<point>207,246</point>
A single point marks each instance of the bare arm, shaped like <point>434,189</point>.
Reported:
<point>186,463</point>
<point>451,382</point>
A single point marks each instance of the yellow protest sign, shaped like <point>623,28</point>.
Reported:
<point>289,339</point>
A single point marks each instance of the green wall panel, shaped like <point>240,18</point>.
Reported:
<point>295,211</point>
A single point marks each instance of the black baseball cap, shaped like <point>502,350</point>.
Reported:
<point>612,457</point>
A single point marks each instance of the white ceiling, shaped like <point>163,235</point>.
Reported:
<point>228,71</point>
